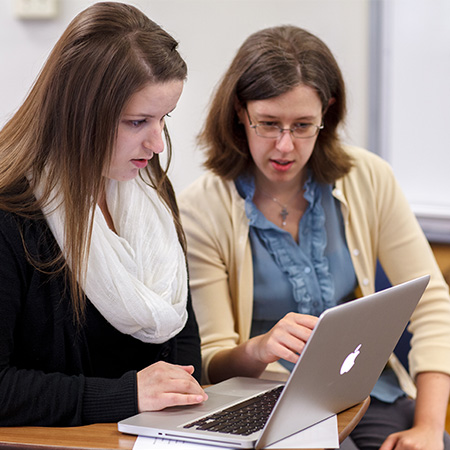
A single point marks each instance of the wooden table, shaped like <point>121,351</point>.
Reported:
<point>106,436</point>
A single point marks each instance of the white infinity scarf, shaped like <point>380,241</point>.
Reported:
<point>136,278</point>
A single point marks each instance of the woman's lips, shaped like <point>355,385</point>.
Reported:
<point>280,165</point>
<point>140,163</point>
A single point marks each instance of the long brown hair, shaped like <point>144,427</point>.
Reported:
<point>269,63</point>
<point>68,123</point>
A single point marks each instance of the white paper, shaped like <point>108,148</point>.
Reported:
<point>322,435</point>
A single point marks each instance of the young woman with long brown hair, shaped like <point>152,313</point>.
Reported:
<point>96,322</point>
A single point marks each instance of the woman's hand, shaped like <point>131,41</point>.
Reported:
<point>415,438</point>
<point>433,390</point>
<point>161,385</point>
<point>286,340</point>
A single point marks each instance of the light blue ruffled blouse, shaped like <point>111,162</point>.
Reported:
<point>306,277</point>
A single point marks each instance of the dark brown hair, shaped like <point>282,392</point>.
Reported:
<point>269,63</point>
<point>68,123</point>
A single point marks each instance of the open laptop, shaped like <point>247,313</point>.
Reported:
<point>338,368</point>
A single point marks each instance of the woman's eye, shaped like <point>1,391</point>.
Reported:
<point>302,126</point>
<point>269,124</point>
<point>137,123</point>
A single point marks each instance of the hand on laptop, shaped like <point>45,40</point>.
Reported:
<point>285,340</point>
<point>161,385</point>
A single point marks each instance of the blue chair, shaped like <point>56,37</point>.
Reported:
<point>403,345</point>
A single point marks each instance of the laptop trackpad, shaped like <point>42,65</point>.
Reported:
<point>215,401</point>
<point>226,393</point>
<point>242,386</point>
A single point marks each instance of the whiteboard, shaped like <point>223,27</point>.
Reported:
<point>414,121</point>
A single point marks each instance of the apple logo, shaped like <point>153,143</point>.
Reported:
<point>350,360</point>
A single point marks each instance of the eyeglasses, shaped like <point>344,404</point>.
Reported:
<point>270,131</point>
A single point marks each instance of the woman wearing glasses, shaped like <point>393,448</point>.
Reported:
<point>289,222</point>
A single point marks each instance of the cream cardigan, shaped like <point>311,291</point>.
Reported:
<point>378,224</point>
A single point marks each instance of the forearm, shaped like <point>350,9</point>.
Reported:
<point>285,340</point>
<point>30,397</point>
<point>35,398</point>
<point>236,361</point>
<point>433,390</point>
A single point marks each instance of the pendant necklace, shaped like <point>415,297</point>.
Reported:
<point>284,211</point>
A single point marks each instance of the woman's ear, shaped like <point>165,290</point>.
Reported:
<point>330,102</point>
<point>240,111</point>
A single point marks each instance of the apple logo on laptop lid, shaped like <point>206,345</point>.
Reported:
<point>350,360</point>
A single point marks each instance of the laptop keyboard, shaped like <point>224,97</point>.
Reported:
<point>243,418</point>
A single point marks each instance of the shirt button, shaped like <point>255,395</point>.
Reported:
<point>356,252</point>
<point>337,192</point>
<point>365,281</point>
<point>307,269</point>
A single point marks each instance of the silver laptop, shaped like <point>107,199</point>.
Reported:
<point>337,369</point>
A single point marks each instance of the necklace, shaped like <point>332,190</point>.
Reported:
<point>284,211</point>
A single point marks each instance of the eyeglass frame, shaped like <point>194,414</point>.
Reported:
<point>291,130</point>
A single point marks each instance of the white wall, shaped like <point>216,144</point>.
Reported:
<point>209,31</point>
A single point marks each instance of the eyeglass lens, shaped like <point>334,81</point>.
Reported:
<point>272,131</point>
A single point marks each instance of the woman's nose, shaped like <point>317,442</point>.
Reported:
<point>154,140</point>
<point>285,142</point>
